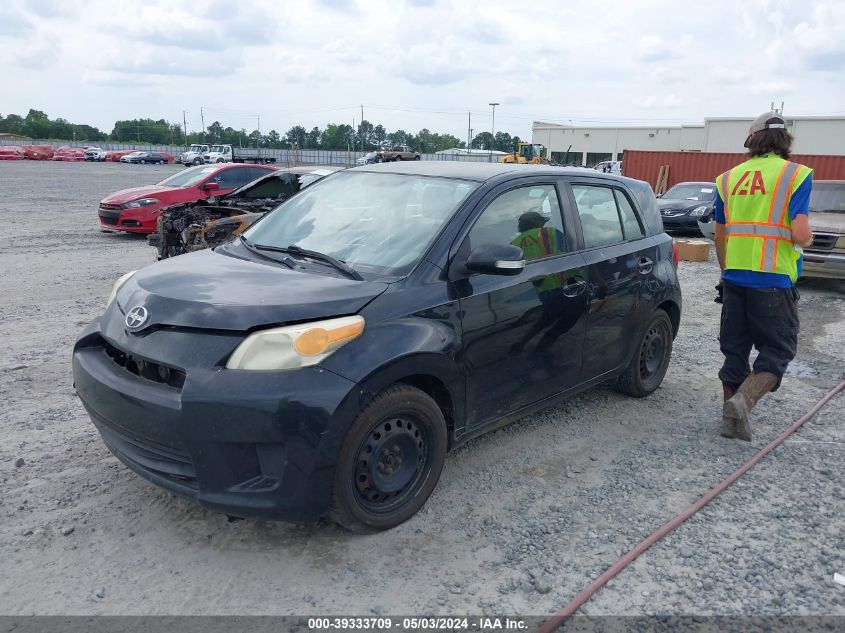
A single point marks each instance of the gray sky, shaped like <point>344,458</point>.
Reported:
<point>420,63</point>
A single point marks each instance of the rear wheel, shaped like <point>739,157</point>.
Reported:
<point>390,461</point>
<point>651,358</point>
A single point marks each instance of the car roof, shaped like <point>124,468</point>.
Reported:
<point>829,182</point>
<point>703,183</point>
<point>478,172</point>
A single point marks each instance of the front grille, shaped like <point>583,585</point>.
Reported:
<point>147,455</point>
<point>671,213</point>
<point>109,213</point>
<point>155,372</point>
<point>824,241</point>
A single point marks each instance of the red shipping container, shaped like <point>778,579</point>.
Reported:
<point>706,166</point>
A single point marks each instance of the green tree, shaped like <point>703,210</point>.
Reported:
<point>37,124</point>
<point>313,139</point>
<point>379,136</point>
<point>13,124</point>
<point>482,141</point>
<point>296,136</point>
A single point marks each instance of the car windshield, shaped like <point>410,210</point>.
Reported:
<point>828,196</point>
<point>691,191</point>
<point>196,148</point>
<point>217,148</point>
<point>376,223</point>
<point>189,177</point>
<point>370,155</point>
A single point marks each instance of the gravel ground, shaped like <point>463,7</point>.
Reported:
<point>522,519</point>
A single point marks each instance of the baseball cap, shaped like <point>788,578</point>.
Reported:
<point>532,218</point>
<point>766,121</point>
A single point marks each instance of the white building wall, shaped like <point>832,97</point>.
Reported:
<point>604,140</point>
<point>818,136</point>
<point>692,138</point>
<point>813,135</point>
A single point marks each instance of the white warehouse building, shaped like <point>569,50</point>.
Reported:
<point>586,146</point>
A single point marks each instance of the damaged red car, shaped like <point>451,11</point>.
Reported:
<point>136,210</point>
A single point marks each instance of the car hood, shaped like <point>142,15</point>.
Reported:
<point>127,195</point>
<point>827,222</point>
<point>211,290</point>
<point>681,205</point>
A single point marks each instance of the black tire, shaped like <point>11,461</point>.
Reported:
<point>197,161</point>
<point>406,432</point>
<point>650,359</point>
<point>417,157</point>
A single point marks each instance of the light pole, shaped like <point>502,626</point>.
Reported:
<point>492,130</point>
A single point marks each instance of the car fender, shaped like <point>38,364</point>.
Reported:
<point>416,350</point>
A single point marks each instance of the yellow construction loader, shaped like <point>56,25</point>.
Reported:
<point>532,153</point>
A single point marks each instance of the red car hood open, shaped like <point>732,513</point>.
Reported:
<point>127,195</point>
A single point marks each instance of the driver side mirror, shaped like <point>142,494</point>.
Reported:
<point>211,186</point>
<point>496,259</point>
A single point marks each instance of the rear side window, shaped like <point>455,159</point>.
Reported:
<point>607,216</point>
<point>528,217</point>
<point>630,223</point>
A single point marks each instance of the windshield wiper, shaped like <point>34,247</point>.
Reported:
<point>287,261</point>
<point>293,249</point>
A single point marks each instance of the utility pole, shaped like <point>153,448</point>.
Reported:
<point>138,128</point>
<point>469,129</point>
<point>362,127</point>
<point>185,127</point>
<point>202,120</point>
<point>493,130</point>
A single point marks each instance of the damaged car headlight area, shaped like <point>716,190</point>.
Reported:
<point>295,346</point>
<point>117,286</point>
<point>143,202</point>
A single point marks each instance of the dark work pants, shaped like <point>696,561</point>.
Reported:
<point>765,318</point>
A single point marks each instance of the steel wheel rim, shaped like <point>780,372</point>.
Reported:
<point>391,464</point>
<point>651,355</point>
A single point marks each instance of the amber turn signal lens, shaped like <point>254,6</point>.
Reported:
<point>317,340</point>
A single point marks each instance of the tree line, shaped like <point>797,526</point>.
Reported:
<point>335,136</point>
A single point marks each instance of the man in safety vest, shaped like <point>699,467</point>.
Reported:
<point>761,226</point>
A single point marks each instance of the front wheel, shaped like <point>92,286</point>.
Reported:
<point>197,161</point>
<point>390,461</point>
<point>416,157</point>
<point>650,360</point>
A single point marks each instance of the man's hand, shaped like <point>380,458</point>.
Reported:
<point>720,292</point>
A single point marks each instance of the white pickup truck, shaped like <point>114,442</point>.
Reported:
<point>230,154</point>
<point>195,155</point>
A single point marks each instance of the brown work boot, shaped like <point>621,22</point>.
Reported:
<point>728,424</point>
<point>739,406</point>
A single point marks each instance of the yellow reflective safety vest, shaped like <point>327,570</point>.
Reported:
<point>539,243</point>
<point>758,228</point>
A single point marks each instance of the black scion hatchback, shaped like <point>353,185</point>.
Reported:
<point>324,362</point>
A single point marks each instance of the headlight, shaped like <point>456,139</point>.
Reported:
<point>699,211</point>
<point>143,202</point>
<point>123,279</point>
<point>295,346</point>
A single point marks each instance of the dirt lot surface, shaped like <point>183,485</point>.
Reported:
<point>522,519</point>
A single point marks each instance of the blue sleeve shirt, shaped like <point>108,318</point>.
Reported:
<point>799,204</point>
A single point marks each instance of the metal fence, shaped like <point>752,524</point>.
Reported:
<point>287,157</point>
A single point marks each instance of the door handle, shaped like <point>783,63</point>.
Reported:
<point>645,265</point>
<point>574,287</point>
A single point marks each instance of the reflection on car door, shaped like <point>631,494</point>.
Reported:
<point>522,335</point>
<point>620,262</point>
